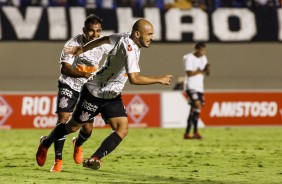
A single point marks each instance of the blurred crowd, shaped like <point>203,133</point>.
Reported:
<point>139,4</point>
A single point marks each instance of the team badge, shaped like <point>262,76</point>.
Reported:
<point>84,116</point>
<point>129,48</point>
<point>63,102</point>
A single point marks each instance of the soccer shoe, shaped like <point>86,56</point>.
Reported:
<point>77,152</point>
<point>197,135</point>
<point>41,153</point>
<point>57,167</point>
<point>92,163</point>
<point>187,136</point>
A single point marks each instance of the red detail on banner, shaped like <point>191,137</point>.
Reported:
<point>38,111</point>
<point>242,108</point>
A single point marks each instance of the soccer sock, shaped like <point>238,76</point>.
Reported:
<point>189,123</point>
<point>58,132</point>
<point>195,119</point>
<point>82,137</point>
<point>58,146</point>
<point>108,145</point>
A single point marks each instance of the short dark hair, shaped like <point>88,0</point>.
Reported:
<point>200,45</point>
<point>92,18</point>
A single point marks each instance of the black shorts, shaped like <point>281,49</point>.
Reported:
<point>66,98</point>
<point>194,96</point>
<point>89,106</point>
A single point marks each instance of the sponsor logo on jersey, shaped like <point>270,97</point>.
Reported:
<point>129,48</point>
<point>63,102</point>
<point>5,110</point>
<point>88,106</point>
<point>65,91</point>
<point>244,109</point>
<point>84,116</point>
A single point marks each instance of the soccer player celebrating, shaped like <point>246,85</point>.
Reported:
<point>196,66</point>
<point>102,92</point>
<point>74,73</point>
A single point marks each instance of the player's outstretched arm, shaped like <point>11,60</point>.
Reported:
<point>136,79</point>
<point>76,50</point>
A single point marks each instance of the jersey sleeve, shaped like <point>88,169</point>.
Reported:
<point>188,63</point>
<point>132,58</point>
<point>68,58</point>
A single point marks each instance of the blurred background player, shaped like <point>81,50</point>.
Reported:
<point>196,66</point>
<point>102,93</point>
<point>74,73</point>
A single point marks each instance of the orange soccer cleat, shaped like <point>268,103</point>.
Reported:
<point>77,152</point>
<point>58,165</point>
<point>187,136</point>
<point>41,153</point>
<point>197,135</point>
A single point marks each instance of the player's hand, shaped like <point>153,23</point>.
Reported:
<point>74,50</point>
<point>87,75</point>
<point>207,69</point>
<point>166,79</point>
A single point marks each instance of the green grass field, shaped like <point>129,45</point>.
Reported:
<point>225,155</point>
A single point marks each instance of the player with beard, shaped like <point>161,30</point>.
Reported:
<point>102,93</point>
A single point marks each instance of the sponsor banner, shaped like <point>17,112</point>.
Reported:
<point>38,111</point>
<point>175,25</point>
<point>242,108</point>
<point>224,109</point>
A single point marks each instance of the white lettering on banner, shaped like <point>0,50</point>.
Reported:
<point>221,27</point>
<point>45,121</point>
<point>25,28</point>
<point>54,105</point>
<point>244,109</point>
<point>279,13</point>
<point>26,25</point>
<point>77,17</point>
<point>125,19</point>
<point>199,26</point>
<point>153,15</point>
<point>57,23</point>
<point>37,106</point>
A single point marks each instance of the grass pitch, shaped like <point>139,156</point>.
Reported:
<point>225,155</point>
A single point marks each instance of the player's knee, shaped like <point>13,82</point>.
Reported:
<point>72,126</point>
<point>87,128</point>
<point>63,117</point>
<point>122,132</point>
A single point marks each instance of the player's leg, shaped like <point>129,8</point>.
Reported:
<point>195,118</point>
<point>191,101</point>
<point>84,133</point>
<point>120,130</point>
<point>189,125</point>
<point>120,127</point>
<point>59,144</point>
<point>66,100</point>
<point>58,132</point>
<point>113,113</point>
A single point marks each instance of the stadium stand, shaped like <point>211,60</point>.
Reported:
<point>139,4</point>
